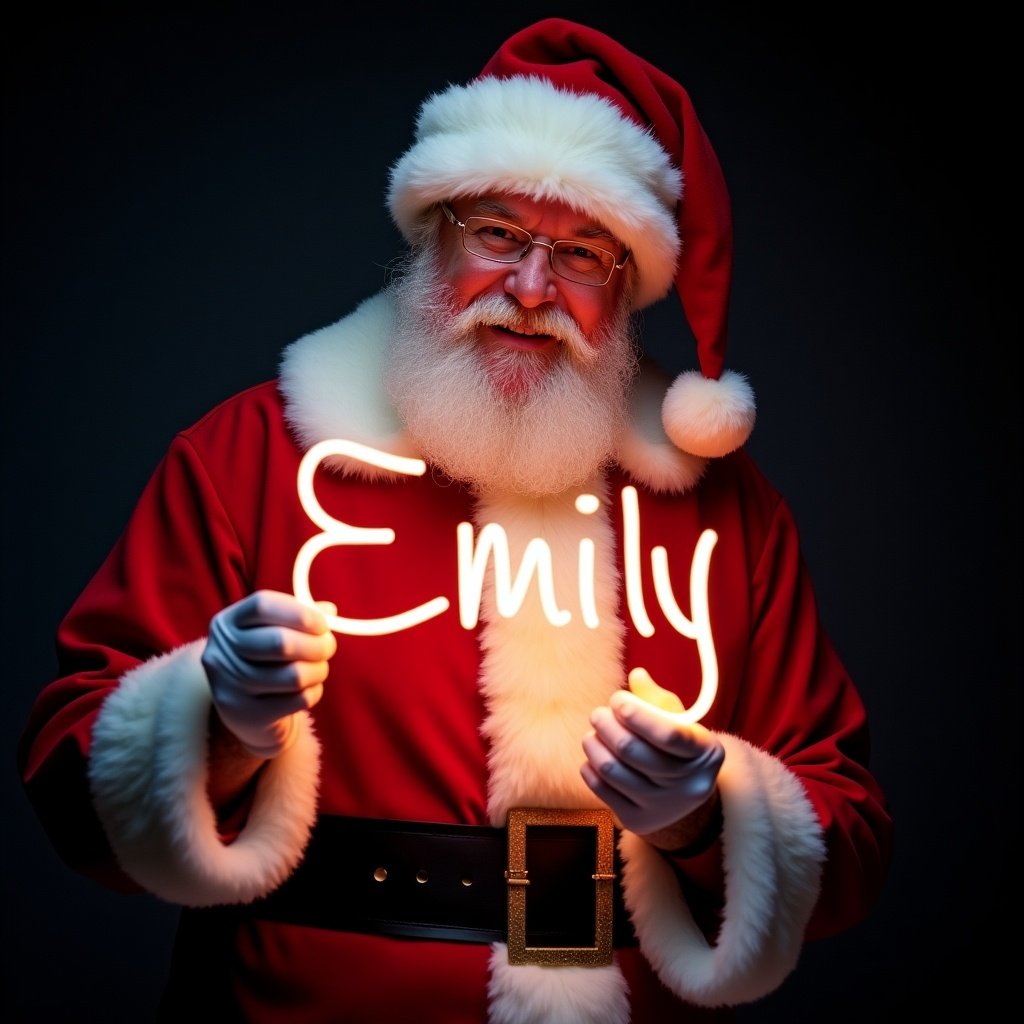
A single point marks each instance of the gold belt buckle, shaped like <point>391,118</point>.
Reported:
<point>517,876</point>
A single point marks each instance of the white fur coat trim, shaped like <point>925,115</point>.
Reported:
<point>148,773</point>
<point>773,856</point>
<point>332,382</point>
<point>528,994</point>
<point>540,683</point>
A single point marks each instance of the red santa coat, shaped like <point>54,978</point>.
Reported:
<point>455,723</point>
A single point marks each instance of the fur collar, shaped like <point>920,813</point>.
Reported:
<point>332,382</point>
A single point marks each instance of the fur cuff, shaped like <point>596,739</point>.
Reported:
<point>773,854</point>
<point>148,773</point>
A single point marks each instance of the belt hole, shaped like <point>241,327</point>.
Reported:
<point>421,876</point>
<point>380,874</point>
<point>467,882</point>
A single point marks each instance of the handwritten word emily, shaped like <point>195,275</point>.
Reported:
<point>491,544</point>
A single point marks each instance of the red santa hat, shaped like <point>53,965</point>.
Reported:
<point>563,112</point>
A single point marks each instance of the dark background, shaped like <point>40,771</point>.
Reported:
<point>185,193</point>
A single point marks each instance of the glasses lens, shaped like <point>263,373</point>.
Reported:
<point>582,263</point>
<point>505,243</point>
<point>495,240</point>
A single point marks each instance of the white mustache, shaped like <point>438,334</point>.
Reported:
<point>495,311</point>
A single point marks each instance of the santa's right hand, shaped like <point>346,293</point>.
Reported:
<point>266,658</point>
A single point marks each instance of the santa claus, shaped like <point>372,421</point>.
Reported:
<point>368,717</point>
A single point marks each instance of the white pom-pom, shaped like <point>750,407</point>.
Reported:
<point>707,417</point>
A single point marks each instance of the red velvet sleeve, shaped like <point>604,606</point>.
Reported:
<point>177,563</point>
<point>798,702</point>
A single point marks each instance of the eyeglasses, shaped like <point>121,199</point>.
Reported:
<point>501,242</point>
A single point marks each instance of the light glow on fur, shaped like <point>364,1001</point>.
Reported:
<point>509,598</point>
<point>587,505</point>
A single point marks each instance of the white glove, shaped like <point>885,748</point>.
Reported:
<point>648,766</point>
<point>265,659</point>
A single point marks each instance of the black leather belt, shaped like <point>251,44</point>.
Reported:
<point>547,883</point>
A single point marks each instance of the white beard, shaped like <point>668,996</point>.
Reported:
<point>520,422</point>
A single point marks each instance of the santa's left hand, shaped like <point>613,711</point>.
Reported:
<point>649,767</point>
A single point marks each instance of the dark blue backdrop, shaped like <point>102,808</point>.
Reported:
<point>184,193</point>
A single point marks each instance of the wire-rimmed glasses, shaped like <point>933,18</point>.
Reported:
<point>501,242</point>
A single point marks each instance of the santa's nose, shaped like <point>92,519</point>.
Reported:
<point>532,281</point>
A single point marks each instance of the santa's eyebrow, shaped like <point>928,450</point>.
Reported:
<point>587,229</point>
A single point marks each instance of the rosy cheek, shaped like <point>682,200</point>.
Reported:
<point>471,285</point>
